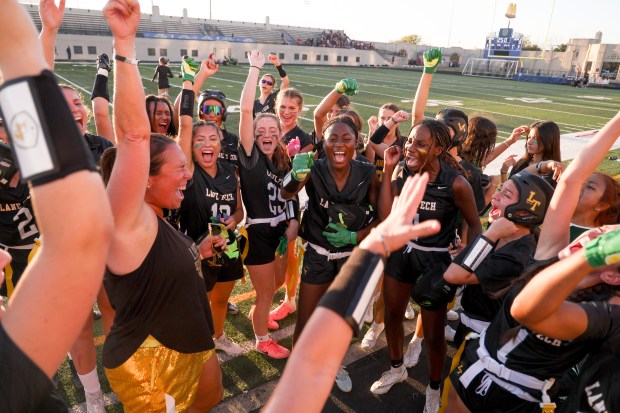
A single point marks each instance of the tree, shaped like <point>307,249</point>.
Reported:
<point>560,48</point>
<point>412,39</point>
<point>527,45</point>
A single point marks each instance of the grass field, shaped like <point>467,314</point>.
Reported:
<point>508,103</point>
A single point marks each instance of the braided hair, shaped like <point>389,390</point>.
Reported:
<point>441,137</point>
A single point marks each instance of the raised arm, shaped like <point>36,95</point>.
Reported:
<point>348,86</point>
<point>273,58</point>
<point>541,304</point>
<point>432,58</point>
<point>67,272</point>
<point>502,146</point>
<point>246,127</point>
<point>100,98</point>
<point>208,68</point>
<point>51,19</point>
<point>376,140</point>
<point>129,177</point>
<point>387,191</point>
<point>555,233</point>
<point>185,102</point>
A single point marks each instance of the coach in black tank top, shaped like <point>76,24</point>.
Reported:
<point>417,269</point>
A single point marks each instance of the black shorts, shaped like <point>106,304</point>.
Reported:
<point>224,273</point>
<point>263,240</point>
<point>484,395</point>
<point>423,269</point>
<point>317,269</point>
<point>14,270</point>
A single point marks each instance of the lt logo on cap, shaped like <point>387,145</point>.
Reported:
<point>531,201</point>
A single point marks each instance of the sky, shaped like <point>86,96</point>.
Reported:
<point>440,23</point>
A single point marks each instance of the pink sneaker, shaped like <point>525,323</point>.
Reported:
<point>272,349</point>
<point>282,311</point>
<point>271,324</point>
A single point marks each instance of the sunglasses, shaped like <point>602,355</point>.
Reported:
<point>216,110</point>
<point>267,82</point>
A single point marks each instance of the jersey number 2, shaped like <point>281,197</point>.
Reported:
<point>23,231</point>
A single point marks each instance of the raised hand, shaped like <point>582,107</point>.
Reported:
<point>209,67</point>
<point>50,14</point>
<point>373,122</point>
<point>302,163</point>
<point>293,147</point>
<point>432,58</point>
<point>347,86</point>
<point>273,58</point>
<point>391,156</point>
<point>604,250</point>
<point>518,131</point>
<point>257,59</point>
<point>400,116</point>
<point>123,18</point>
<point>188,68</point>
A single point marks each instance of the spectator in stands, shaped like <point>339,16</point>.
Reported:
<point>162,73</point>
<point>268,88</point>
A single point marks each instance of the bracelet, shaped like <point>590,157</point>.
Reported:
<point>384,244</point>
<point>126,59</point>
<point>255,67</point>
<point>507,144</point>
<point>539,167</point>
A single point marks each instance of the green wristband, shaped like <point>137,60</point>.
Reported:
<point>353,238</point>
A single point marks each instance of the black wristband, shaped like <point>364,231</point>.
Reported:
<point>47,144</point>
<point>380,134</point>
<point>351,292</point>
<point>281,71</point>
<point>290,184</point>
<point>100,88</point>
<point>187,102</point>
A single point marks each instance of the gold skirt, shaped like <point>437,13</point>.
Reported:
<point>154,371</point>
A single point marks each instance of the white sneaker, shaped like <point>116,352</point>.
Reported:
<point>433,400</point>
<point>452,315</point>
<point>409,312</point>
<point>225,344</point>
<point>388,379</point>
<point>449,332</point>
<point>371,336</point>
<point>94,402</point>
<point>412,355</point>
<point>343,381</point>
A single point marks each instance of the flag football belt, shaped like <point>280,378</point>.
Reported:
<point>274,221</point>
<point>331,256</point>
<point>477,325</point>
<point>412,245</point>
<point>500,371</point>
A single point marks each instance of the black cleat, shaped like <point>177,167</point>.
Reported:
<point>103,62</point>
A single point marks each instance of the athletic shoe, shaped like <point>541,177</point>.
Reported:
<point>371,336</point>
<point>433,400</point>
<point>412,355</point>
<point>272,349</point>
<point>232,308</point>
<point>103,62</point>
<point>271,324</point>
<point>452,315</point>
<point>449,332</point>
<point>388,379</point>
<point>225,344</point>
<point>409,312</point>
<point>343,381</point>
<point>282,311</point>
<point>95,403</point>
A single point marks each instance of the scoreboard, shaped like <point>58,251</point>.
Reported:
<point>504,44</point>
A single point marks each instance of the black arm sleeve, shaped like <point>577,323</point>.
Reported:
<point>380,134</point>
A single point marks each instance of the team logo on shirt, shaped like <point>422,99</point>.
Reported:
<point>532,202</point>
<point>196,256</point>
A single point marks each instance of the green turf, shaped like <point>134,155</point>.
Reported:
<point>574,109</point>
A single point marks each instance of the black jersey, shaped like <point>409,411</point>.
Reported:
<point>25,387</point>
<point>495,273</point>
<point>475,181</point>
<point>304,138</point>
<point>438,203</point>
<point>164,297</point>
<point>97,145</point>
<point>207,197</point>
<point>269,106</point>
<point>230,148</point>
<point>162,73</point>
<point>18,226</point>
<point>597,387</point>
<point>323,192</point>
<point>532,353</point>
<point>261,184</point>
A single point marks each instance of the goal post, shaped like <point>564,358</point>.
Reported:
<point>498,68</point>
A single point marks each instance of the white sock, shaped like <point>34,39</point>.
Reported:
<point>260,339</point>
<point>376,325</point>
<point>102,72</point>
<point>416,340</point>
<point>90,381</point>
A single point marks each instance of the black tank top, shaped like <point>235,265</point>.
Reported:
<point>438,203</point>
<point>164,297</point>
<point>207,197</point>
<point>322,191</point>
<point>260,184</point>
